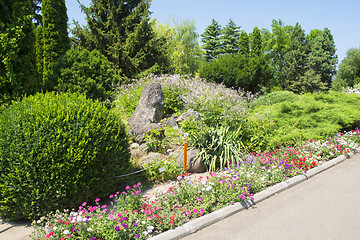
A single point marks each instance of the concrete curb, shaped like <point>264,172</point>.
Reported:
<point>216,216</point>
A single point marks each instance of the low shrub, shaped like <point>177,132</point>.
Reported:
<point>296,118</point>
<point>56,151</point>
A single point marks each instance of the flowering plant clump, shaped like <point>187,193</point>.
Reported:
<point>132,216</point>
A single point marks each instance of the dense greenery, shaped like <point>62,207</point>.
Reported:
<point>54,147</point>
<point>122,32</point>
<point>297,118</point>
<point>54,38</point>
<point>90,73</point>
<point>18,74</point>
<point>349,70</point>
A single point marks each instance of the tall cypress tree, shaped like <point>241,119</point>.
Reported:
<point>255,42</point>
<point>211,40</point>
<point>17,66</point>
<point>244,44</point>
<point>55,38</point>
<point>230,38</point>
<point>122,32</point>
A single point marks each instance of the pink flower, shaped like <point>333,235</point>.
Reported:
<point>97,200</point>
<point>128,188</point>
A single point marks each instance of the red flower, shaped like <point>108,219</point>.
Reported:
<point>49,234</point>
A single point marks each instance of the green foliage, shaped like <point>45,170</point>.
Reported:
<point>244,44</point>
<point>162,171</point>
<point>256,42</point>
<point>18,75</point>
<point>127,99</point>
<point>156,141</point>
<point>219,146</point>
<point>56,151</point>
<point>349,70</point>
<point>123,33</point>
<point>182,48</point>
<point>297,118</point>
<point>211,40</point>
<point>230,37</point>
<point>88,73</point>
<point>237,71</point>
<point>172,99</point>
<point>55,38</point>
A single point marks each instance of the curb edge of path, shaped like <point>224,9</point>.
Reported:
<point>216,216</point>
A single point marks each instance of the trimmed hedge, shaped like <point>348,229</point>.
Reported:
<point>56,151</point>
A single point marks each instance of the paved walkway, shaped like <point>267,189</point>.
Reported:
<point>324,207</point>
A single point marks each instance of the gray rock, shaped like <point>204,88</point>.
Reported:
<point>170,122</point>
<point>193,165</point>
<point>149,111</point>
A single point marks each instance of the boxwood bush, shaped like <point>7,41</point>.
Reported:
<point>56,151</point>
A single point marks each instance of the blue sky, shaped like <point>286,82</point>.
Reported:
<point>341,17</point>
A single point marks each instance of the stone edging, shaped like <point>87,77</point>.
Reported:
<point>216,216</point>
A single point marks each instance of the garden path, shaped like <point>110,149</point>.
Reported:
<point>323,207</point>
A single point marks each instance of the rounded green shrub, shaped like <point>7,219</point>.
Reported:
<point>56,151</point>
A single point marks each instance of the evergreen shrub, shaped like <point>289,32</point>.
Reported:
<point>57,151</point>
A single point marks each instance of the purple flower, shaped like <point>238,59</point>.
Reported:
<point>137,235</point>
<point>117,228</point>
<point>92,238</point>
<point>128,188</point>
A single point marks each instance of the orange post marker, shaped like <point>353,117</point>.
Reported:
<point>185,155</point>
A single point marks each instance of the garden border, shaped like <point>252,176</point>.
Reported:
<point>216,216</point>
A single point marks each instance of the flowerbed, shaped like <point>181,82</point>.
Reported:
<point>133,216</point>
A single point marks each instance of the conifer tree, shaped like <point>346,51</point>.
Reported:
<point>55,38</point>
<point>39,51</point>
<point>211,40</point>
<point>17,66</point>
<point>122,32</point>
<point>255,42</point>
<point>244,47</point>
<point>295,60</point>
<point>322,60</point>
<point>230,38</point>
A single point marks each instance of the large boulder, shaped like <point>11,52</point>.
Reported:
<point>193,164</point>
<point>148,113</point>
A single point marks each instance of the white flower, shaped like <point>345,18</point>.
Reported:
<point>150,228</point>
<point>66,232</point>
<point>143,222</point>
<point>89,229</point>
<point>54,228</point>
<point>145,233</point>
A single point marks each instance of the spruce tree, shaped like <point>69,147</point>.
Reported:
<point>230,38</point>
<point>17,66</point>
<point>122,32</point>
<point>211,40</point>
<point>55,38</point>
<point>244,44</point>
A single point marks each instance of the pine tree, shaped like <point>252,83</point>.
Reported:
<point>123,33</point>
<point>295,64</point>
<point>244,44</point>
<point>211,40</point>
<point>230,38</point>
<point>55,38</point>
<point>17,66</point>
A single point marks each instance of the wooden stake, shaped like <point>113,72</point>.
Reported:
<point>185,155</point>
